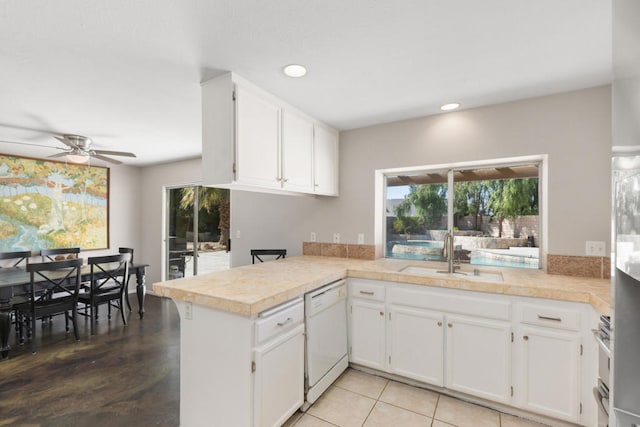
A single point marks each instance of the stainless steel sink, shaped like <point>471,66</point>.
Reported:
<point>477,275</point>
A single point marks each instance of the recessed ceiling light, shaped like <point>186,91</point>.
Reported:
<point>295,70</point>
<point>449,107</point>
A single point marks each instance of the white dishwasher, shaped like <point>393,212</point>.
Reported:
<point>326,337</point>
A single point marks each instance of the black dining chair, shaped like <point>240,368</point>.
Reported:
<point>257,253</point>
<point>15,257</point>
<point>123,250</point>
<point>59,254</point>
<point>108,282</point>
<point>54,289</point>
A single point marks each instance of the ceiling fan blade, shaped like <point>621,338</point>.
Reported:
<point>28,143</point>
<point>57,155</point>
<point>107,159</point>
<point>114,153</point>
<point>65,141</point>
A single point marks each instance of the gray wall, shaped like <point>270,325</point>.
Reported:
<point>574,129</point>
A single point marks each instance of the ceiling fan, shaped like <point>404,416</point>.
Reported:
<point>78,149</point>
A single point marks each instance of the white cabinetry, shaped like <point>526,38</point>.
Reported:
<point>416,344</point>
<point>297,152</point>
<point>254,141</point>
<point>550,348</point>
<point>478,357</point>
<point>367,326</point>
<point>279,364</point>
<point>257,134</point>
<point>325,156</point>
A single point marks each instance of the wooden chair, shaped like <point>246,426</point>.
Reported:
<point>256,253</point>
<point>126,287</point>
<point>59,254</point>
<point>108,282</point>
<point>54,288</point>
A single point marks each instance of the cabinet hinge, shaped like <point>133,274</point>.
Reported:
<point>581,349</point>
<point>234,167</point>
<point>351,309</point>
<point>233,95</point>
<point>511,391</point>
<point>389,359</point>
<point>389,315</point>
<point>512,341</point>
<point>253,366</point>
<point>580,407</point>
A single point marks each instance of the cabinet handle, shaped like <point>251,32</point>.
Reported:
<point>382,313</point>
<point>439,323</point>
<point>526,338</point>
<point>450,325</point>
<point>367,292</point>
<point>285,179</point>
<point>553,319</point>
<point>289,319</point>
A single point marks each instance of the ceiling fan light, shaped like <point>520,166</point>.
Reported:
<point>77,158</point>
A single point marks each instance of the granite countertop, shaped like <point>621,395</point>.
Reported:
<point>251,289</point>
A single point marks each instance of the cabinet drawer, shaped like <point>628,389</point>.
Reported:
<point>279,319</point>
<point>366,290</point>
<point>552,317</point>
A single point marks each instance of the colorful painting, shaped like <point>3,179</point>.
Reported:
<point>47,204</point>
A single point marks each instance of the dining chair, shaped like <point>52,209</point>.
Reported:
<point>108,282</point>
<point>54,289</point>
<point>16,257</point>
<point>123,250</point>
<point>59,254</point>
<point>256,253</point>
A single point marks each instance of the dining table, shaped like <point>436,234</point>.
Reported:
<point>16,280</point>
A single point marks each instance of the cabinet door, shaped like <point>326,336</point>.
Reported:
<point>478,357</point>
<point>416,344</point>
<point>325,161</point>
<point>551,365</point>
<point>257,140</point>
<point>367,334</point>
<point>297,152</point>
<point>279,379</point>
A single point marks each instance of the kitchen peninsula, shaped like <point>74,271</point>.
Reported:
<point>219,312</point>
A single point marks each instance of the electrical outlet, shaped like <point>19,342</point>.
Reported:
<point>336,237</point>
<point>237,234</point>
<point>361,238</point>
<point>595,248</point>
<point>312,237</point>
<point>188,311</point>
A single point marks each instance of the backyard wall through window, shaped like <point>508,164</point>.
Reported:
<point>493,211</point>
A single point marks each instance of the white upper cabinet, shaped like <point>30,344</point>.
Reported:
<point>257,135</point>
<point>297,152</point>
<point>325,154</point>
<point>252,140</point>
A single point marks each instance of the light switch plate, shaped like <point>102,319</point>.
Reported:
<point>595,248</point>
<point>312,237</point>
<point>336,237</point>
<point>361,238</point>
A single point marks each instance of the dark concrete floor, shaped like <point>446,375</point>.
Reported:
<point>122,376</point>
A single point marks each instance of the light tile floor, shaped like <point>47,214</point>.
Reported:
<point>361,400</point>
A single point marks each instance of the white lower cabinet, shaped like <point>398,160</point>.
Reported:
<point>416,344</point>
<point>367,333</point>
<point>478,357</point>
<point>551,371</point>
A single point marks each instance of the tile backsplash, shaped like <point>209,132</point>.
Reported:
<point>339,250</point>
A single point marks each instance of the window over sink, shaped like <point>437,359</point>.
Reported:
<point>493,209</point>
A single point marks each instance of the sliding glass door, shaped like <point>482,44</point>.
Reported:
<point>197,231</point>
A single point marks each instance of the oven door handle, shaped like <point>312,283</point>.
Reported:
<point>601,343</point>
<point>599,398</point>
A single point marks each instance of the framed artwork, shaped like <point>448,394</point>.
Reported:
<point>50,204</point>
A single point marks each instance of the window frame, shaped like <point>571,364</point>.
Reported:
<point>380,182</point>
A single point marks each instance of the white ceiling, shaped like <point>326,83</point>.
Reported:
<point>127,73</point>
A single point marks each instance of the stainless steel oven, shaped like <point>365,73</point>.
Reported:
<point>601,391</point>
